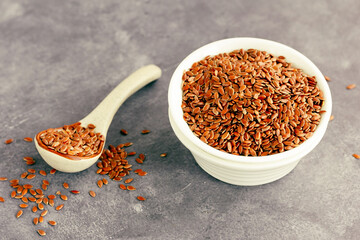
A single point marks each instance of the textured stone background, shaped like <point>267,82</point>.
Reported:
<point>58,59</point>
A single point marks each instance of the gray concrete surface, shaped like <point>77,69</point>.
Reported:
<point>58,59</point>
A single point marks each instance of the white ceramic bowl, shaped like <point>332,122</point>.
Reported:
<point>241,170</point>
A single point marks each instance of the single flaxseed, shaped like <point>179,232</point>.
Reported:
<point>59,207</point>
<point>23,175</point>
<point>43,213</point>
<point>13,194</point>
<point>131,188</point>
<point>3,179</point>
<point>14,181</point>
<point>27,158</point>
<point>24,199</point>
<point>40,206</point>
<point>351,86</point>
<point>58,192</point>
<point>141,198</point>
<point>2,199</point>
<point>31,199</point>
<point>45,200</point>
<point>28,186</point>
<point>23,205</point>
<point>122,186</point>
<point>100,183</point>
<point>327,78</point>
<point>42,172</point>
<point>53,171</point>
<point>51,197</point>
<point>52,223</point>
<point>8,141</point>
<point>31,170</point>
<point>28,139</point>
<point>75,191</point>
<point>19,213</point>
<point>31,176</point>
<point>105,181</point>
<point>163,155</point>
<point>145,131</point>
<point>129,180</point>
<point>123,132</point>
<point>31,162</point>
<point>92,193</point>
<point>51,202</point>
<point>41,232</point>
<point>35,221</point>
<point>65,185</point>
<point>64,197</point>
<point>357,156</point>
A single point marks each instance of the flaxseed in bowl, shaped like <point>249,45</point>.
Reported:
<point>248,109</point>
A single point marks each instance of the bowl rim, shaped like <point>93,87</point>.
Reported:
<point>226,45</point>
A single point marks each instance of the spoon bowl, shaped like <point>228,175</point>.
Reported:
<point>101,117</point>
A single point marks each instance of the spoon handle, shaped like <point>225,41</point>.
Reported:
<point>103,114</point>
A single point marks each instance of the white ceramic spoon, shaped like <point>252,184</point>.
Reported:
<point>101,117</point>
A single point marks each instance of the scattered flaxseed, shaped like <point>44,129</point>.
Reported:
<point>58,208</point>
<point>19,213</point>
<point>64,197</point>
<point>123,132</point>
<point>28,139</point>
<point>52,223</point>
<point>42,172</point>
<point>8,141</point>
<point>141,198</point>
<point>129,180</point>
<point>92,193</point>
<point>30,176</point>
<point>41,232</point>
<point>351,86</point>
<point>43,213</point>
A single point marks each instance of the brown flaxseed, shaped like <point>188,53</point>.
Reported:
<point>64,197</point>
<point>351,86</point>
<point>65,185</point>
<point>72,140</point>
<point>28,139</point>
<point>31,176</point>
<point>58,208</point>
<point>41,232</point>
<point>141,198</point>
<point>52,223</point>
<point>19,213</point>
<point>250,103</point>
<point>92,193</point>
<point>8,141</point>
<point>123,132</point>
